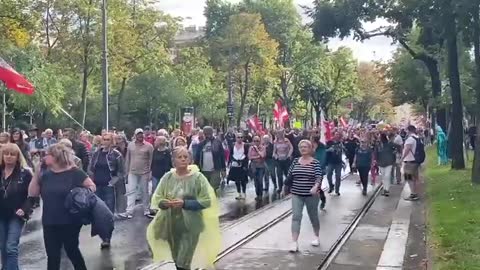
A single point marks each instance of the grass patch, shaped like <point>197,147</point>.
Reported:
<point>453,216</point>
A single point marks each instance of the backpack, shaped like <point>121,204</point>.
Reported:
<point>419,151</point>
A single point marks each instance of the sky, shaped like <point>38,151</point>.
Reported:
<point>379,48</point>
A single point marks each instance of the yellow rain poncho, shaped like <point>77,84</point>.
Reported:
<point>190,238</point>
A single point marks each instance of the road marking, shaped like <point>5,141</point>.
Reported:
<point>396,244</point>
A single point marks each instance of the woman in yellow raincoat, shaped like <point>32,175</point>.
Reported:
<point>186,228</point>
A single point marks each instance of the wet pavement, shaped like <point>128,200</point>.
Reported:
<point>129,247</point>
<point>364,247</point>
<point>270,249</point>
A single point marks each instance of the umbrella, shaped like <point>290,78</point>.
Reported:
<point>14,80</point>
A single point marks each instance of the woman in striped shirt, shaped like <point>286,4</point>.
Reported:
<point>304,182</point>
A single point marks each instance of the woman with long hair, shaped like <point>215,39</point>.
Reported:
<point>53,185</point>
<point>16,137</point>
<point>186,228</point>
<point>256,155</point>
<point>106,169</point>
<point>363,163</point>
<point>239,166</point>
<point>15,207</point>
<point>304,181</point>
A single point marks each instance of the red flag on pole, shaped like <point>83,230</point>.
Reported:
<point>14,80</point>
<point>280,113</point>
<point>254,124</point>
<point>343,122</point>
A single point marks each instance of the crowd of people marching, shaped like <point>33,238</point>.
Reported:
<point>167,172</point>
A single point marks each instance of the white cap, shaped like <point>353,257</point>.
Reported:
<point>138,130</point>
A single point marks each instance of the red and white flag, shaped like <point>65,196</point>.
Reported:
<point>14,80</point>
<point>254,124</point>
<point>280,113</point>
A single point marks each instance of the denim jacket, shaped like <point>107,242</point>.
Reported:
<point>115,163</point>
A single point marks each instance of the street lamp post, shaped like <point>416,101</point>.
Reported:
<point>230,90</point>
<point>105,66</point>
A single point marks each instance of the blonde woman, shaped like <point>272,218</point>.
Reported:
<point>15,207</point>
<point>186,228</point>
<point>304,181</point>
<point>54,184</point>
<point>107,172</point>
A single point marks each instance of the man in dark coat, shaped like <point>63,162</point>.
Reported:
<point>210,158</point>
<point>78,147</point>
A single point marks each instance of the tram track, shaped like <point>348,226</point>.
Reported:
<point>251,236</point>
<point>334,249</point>
<point>325,261</point>
<point>337,246</point>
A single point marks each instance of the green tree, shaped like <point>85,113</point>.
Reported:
<point>197,78</point>
<point>150,94</point>
<point>47,78</point>
<point>327,78</point>
<point>19,20</point>
<point>283,23</point>
<point>437,21</point>
<point>409,80</point>
<point>139,41</point>
<point>373,93</point>
<point>244,45</point>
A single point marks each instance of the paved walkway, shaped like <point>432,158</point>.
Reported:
<point>270,249</point>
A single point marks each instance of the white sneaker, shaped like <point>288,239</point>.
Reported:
<point>294,247</point>
<point>316,242</point>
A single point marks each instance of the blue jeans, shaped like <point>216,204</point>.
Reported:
<point>311,203</point>
<point>107,194</point>
<point>155,182</point>
<point>270,173</point>
<point>259,175</point>
<point>337,168</point>
<point>10,232</point>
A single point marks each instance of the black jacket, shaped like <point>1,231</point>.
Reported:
<point>217,152</point>
<point>87,208</point>
<point>269,151</point>
<point>161,163</point>
<point>81,151</point>
<point>115,162</point>
<point>14,194</point>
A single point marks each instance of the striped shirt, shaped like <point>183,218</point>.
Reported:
<point>304,177</point>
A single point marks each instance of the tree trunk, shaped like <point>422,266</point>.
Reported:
<point>476,53</point>
<point>439,116</point>
<point>121,93</point>
<point>86,65</point>
<point>244,93</point>
<point>456,139</point>
<point>318,119</point>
